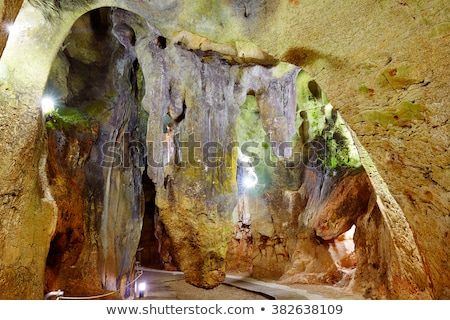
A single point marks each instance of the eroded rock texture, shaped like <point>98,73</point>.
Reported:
<point>96,161</point>
<point>196,181</point>
<point>28,215</point>
<point>386,72</point>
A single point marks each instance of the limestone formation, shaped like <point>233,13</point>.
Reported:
<point>95,164</point>
<point>348,102</point>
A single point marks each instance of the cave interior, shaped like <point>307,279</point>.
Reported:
<point>176,153</point>
<point>94,99</point>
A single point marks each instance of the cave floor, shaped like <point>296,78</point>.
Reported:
<point>166,285</point>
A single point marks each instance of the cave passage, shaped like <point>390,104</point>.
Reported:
<point>148,254</point>
<point>289,189</point>
<point>149,109</point>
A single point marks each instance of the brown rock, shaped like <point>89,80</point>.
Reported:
<point>348,200</point>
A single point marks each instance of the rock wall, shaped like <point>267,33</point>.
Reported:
<point>96,162</point>
<point>304,203</point>
<point>393,59</point>
<point>196,186</point>
<point>28,211</point>
<point>386,73</point>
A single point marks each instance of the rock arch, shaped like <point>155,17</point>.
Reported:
<point>393,90</point>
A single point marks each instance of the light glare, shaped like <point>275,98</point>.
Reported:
<point>10,28</point>
<point>249,182</point>
<point>47,104</point>
<point>142,286</point>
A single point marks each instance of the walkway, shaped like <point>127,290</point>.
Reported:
<point>167,285</point>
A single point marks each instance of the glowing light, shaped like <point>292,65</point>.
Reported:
<point>250,181</point>
<point>247,177</point>
<point>11,28</point>
<point>47,104</point>
<point>142,286</point>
